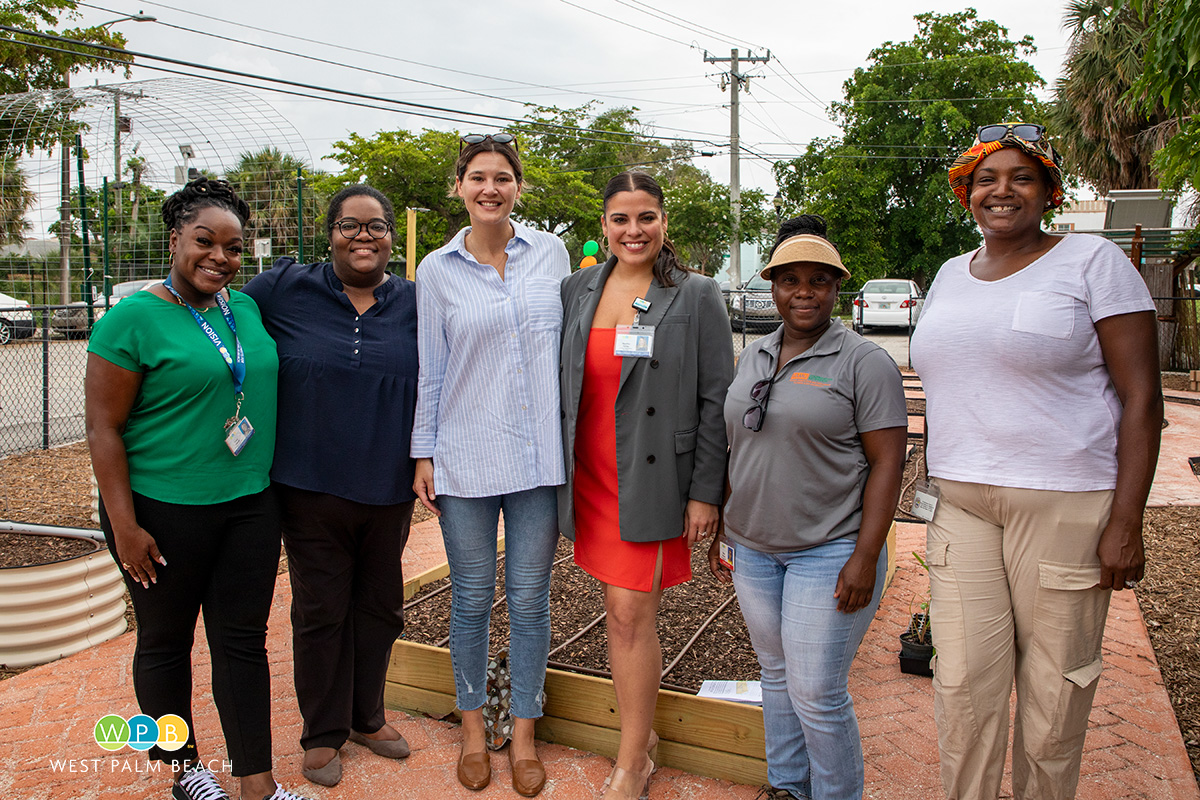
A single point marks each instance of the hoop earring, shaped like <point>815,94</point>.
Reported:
<point>604,244</point>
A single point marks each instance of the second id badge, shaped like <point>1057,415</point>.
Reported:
<point>725,555</point>
<point>239,433</point>
<point>634,340</point>
<point>925,500</point>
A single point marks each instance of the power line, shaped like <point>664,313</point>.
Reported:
<point>741,43</point>
<point>313,87</point>
<point>626,24</point>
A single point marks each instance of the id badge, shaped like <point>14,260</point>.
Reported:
<point>238,435</point>
<point>725,555</point>
<point>634,340</point>
<point>925,500</point>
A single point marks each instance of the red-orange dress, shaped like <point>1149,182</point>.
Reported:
<point>599,550</point>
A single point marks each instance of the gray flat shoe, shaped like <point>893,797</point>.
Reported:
<point>328,775</point>
<point>388,748</point>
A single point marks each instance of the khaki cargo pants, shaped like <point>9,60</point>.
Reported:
<point>1014,576</point>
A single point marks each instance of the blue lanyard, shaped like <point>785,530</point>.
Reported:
<point>236,366</point>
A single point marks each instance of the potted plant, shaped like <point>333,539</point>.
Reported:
<point>916,643</point>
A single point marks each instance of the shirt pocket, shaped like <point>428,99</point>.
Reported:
<point>543,304</point>
<point>1045,313</point>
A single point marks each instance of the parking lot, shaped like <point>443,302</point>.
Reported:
<point>41,393</point>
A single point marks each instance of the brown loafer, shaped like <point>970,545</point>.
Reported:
<point>528,775</point>
<point>475,770</point>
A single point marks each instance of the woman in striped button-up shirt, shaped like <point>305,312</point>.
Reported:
<point>487,437</point>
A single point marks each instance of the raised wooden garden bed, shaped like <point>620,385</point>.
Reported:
<point>714,738</point>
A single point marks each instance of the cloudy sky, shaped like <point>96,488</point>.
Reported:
<point>491,57</point>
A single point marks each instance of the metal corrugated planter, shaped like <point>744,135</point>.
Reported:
<point>48,611</point>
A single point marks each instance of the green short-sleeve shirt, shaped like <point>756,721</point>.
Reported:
<point>175,435</point>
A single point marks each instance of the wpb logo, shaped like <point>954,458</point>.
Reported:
<point>141,732</point>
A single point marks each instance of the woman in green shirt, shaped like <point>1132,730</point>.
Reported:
<point>181,424</point>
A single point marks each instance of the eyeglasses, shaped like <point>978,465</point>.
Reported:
<point>480,138</point>
<point>1027,131</point>
<point>376,228</point>
<point>760,393</point>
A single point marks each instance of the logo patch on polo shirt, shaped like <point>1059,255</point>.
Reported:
<point>808,379</point>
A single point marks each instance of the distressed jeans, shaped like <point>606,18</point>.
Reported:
<point>530,537</point>
<point>805,647</point>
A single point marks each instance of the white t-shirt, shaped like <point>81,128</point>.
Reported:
<point>1017,392</point>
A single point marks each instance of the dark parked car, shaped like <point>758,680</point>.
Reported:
<point>72,321</point>
<point>753,307</point>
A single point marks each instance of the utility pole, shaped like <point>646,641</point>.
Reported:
<point>121,125</point>
<point>735,80</point>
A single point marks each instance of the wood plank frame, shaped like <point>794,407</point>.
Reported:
<point>713,738</point>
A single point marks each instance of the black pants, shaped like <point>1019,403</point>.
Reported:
<point>347,608</point>
<point>222,560</point>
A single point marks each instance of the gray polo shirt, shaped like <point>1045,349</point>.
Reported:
<point>798,482</point>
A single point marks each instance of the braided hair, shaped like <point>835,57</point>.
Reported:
<point>668,259</point>
<point>813,224</point>
<point>182,207</point>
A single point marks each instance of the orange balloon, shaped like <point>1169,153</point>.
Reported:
<point>587,262</point>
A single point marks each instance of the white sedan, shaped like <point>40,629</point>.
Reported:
<point>16,320</point>
<point>888,302</point>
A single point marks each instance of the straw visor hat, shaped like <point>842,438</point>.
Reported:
<point>805,247</point>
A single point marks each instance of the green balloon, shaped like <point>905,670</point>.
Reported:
<point>590,248</point>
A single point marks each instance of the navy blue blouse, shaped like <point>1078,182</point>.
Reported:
<point>347,382</point>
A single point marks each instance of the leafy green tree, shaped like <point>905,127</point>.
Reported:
<point>882,184</point>
<point>414,171</point>
<point>1099,128</point>
<point>27,67</point>
<point>1172,77</point>
<point>700,220</point>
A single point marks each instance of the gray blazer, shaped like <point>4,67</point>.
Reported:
<point>671,444</point>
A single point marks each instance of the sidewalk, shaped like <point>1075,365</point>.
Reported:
<point>1133,749</point>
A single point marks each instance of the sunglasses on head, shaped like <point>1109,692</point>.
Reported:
<point>480,138</point>
<point>760,393</point>
<point>1023,130</point>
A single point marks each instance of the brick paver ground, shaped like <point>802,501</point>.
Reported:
<point>1133,749</point>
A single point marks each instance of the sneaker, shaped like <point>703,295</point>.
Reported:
<point>769,792</point>
<point>198,783</point>
<point>283,794</point>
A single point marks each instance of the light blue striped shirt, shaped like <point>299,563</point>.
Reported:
<point>487,397</point>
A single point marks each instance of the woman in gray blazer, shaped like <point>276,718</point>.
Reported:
<point>646,361</point>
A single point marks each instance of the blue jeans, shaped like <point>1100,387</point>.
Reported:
<point>804,647</point>
<point>530,537</point>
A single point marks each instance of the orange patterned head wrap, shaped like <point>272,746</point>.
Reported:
<point>964,166</point>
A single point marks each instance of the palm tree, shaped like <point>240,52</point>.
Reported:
<point>1101,131</point>
<point>16,200</point>
<point>266,180</point>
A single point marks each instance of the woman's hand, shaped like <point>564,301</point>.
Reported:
<point>699,520</point>
<point>423,485</point>
<point>855,583</point>
<point>718,570</point>
<point>138,553</point>
<point>1122,554</point>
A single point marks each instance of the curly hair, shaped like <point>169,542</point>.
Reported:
<point>182,207</point>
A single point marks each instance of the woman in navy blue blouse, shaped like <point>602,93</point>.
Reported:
<point>347,338</point>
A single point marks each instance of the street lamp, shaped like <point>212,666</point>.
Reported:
<point>138,17</point>
<point>778,203</point>
<point>410,268</point>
